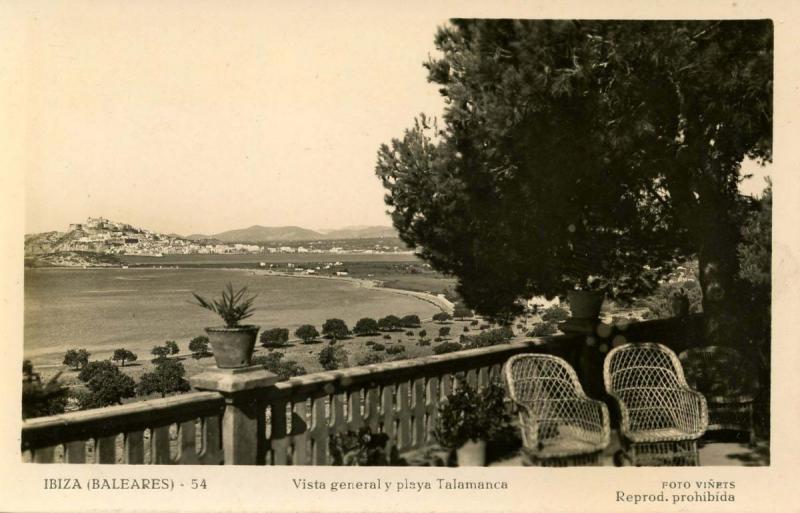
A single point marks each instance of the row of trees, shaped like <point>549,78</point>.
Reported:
<point>337,329</point>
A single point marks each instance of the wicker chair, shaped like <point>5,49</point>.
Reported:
<point>729,395</point>
<point>661,417</point>
<point>560,425</point>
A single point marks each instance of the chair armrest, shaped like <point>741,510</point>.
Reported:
<point>695,412</point>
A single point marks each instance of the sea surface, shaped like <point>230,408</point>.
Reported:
<point>105,309</point>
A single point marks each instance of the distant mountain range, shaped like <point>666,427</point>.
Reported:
<point>257,233</point>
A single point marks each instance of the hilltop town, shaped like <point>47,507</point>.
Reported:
<point>83,243</point>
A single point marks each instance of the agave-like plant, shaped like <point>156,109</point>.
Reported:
<point>232,306</point>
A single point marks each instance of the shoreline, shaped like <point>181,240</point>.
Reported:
<point>362,283</point>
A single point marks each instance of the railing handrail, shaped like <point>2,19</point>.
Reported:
<point>420,366</point>
<point>80,425</point>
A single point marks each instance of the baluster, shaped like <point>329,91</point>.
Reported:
<point>75,452</point>
<point>447,384</point>
<point>105,449</point>
<point>187,451</point>
<point>300,434</point>
<point>44,454</point>
<point>320,431</point>
<point>419,412</point>
<point>134,448</point>
<point>387,398</point>
<point>404,411</point>
<point>212,441</point>
<point>338,419</point>
<point>432,406</point>
<point>356,419</point>
<point>472,378</point>
<point>279,442</point>
<point>483,377</point>
<point>159,446</point>
<point>371,408</point>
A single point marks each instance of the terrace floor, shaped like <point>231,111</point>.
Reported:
<point>716,449</point>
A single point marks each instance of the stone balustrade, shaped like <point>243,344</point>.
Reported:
<point>248,417</point>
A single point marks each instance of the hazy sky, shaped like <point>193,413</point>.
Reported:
<point>217,117</point>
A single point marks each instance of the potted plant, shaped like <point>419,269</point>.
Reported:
<point>468,420</point>
<point>233,343</point>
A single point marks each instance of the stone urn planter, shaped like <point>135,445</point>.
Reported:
<point>472,454</point>
<point>585,304</point>
<point>233,347</point>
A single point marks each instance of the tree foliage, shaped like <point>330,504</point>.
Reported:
<point>172,346</point>
<point>166,378</point>
<point>199,346</point>
<point>306,333</point>
<point>160,353</point>
<point>91,369</point>
<point>275,363</point>
<point>76,358</point>
<point>410,321</point>
<point>123,355</point>
<point>590,154</point>
<point>442,317</point>
<point>335,329</point>
<point>389,323</point>
<point>106,385</point>
<point>366,326</point>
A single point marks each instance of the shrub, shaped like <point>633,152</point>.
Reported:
<point>466,329</point>
<point>484,327</point>
<point>76,358</point>
<point>400,348</point>
<point>554,314</point>
<point>474,322</point>
<point>378,347</point>
<point>387,337</point>
<point>168,377</point>
<point>123,355</point>
<point>542,330</point>
<point>274,363</point>
<point>366,326</point>
<point>661,304</point>
<point>422,333</point>
<point>409,333</point>
<point>335,329</point>
<point>442,317</point>
<point>333,357</point>
<point>488,338</point>
<point>438,339</point>
<point>444,331</point>
<point>448,347</point>
<point>389,323</point>
<point>199,346</point>
<point>410,321</point>
<point>469,415</point>
<point>369,343</point>
<point>370,358</point>
<point>307,333</point>
<point>424,342</point>
<point>362,448</point>
<point>274,337</point>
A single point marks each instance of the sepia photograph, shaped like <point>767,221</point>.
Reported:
<point>469,248</point>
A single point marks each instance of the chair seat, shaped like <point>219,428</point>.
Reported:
<point>563,447</point>
<point>659,435</point>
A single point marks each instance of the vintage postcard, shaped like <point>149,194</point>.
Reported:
<point>375,256</point>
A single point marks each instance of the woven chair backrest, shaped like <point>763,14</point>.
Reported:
<point>649,379</point>
<point>533,378</point>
